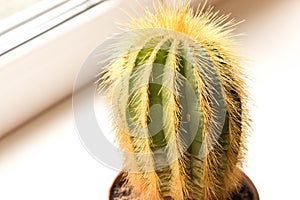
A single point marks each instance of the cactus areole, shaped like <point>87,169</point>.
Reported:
<point>178,104</point>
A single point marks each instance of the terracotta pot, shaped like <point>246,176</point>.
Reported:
<point>118,192</point>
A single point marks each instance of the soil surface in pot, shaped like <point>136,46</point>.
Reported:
<point>120,192</point>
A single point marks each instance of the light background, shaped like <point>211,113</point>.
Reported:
<point>9,7</point>
<point>45,159</point>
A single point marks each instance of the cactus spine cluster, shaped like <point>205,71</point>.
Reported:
<point>179,112</point>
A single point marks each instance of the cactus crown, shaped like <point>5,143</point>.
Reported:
<point>178,95</point>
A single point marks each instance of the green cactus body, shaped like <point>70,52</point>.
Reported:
<point>178,91</point>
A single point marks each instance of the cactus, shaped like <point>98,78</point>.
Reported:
<point>179,96</point>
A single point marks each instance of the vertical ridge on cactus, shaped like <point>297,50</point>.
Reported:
<point>179,103</point>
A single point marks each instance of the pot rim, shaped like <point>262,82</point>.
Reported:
<point>244,179</point>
